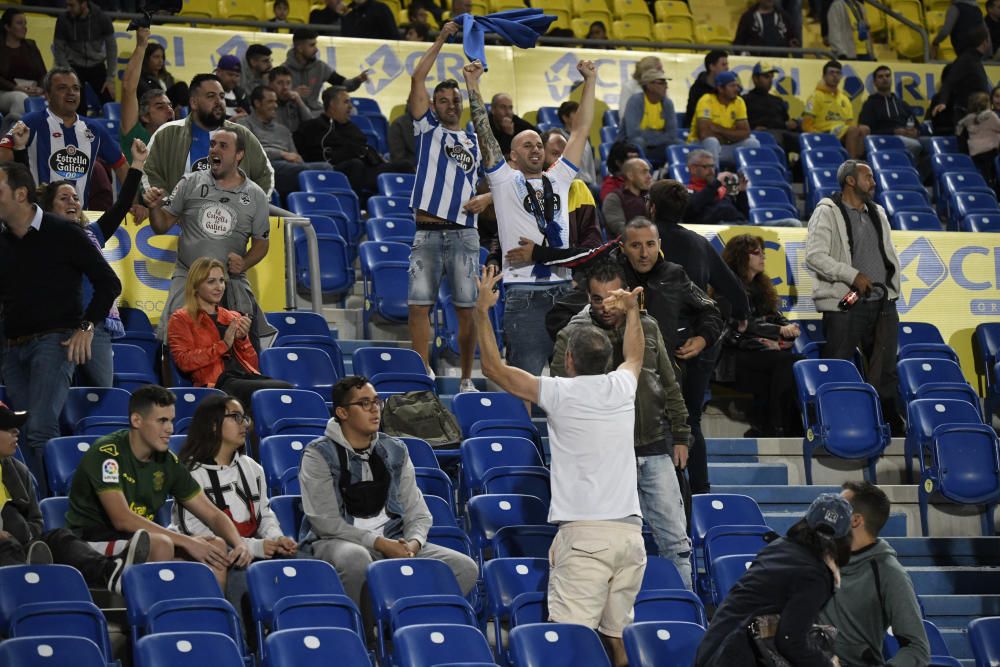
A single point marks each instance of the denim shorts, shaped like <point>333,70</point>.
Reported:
<point>454,252</point>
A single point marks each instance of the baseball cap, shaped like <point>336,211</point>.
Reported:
<point>230,64</point>
<point>651,75</point>
<point>725,78</point>
<point>10,419</point>
<point>831,513</point>
<point>764,67</point>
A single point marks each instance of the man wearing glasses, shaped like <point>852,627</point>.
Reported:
<point>360,495</point>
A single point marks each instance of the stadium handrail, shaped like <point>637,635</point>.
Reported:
<point>547,40</point>
<point>919,29</point>
<point>312,249</point>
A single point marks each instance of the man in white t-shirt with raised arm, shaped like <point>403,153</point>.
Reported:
<point>542,218</point>
<point>598,557</point>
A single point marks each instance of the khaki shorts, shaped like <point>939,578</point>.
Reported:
<point>596,570</point>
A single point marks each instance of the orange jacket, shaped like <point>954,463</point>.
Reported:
<point>198,348</point>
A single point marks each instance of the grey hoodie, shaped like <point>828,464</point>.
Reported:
<point>86,42</point>
<point>863,609</point>
<point>314,74</point>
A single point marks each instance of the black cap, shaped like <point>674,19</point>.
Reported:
<point>10,419</point>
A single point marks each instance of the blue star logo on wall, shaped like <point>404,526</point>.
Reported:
<point>561,83</point>
<point>921,271</point>
<point>385,66</point>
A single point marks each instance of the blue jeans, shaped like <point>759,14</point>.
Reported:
<point>99,371</point>
<point>38,376</point>
<point>529,346</point>
<point>726,153</point>
<point>663,508</point>
<point>451,252</point>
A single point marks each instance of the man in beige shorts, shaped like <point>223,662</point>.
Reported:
<point>598,557</point>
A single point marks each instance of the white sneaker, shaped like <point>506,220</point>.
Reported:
<point>467,387</point>
<point>431,375</point>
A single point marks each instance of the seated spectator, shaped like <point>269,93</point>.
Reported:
<point>346,146</point>
<point>714,198</point>
<point>982,128</point>
<point>141,117</point>
<point>619,153</point>
<point>716,62</point>
<point>959,79</point>
<point>418,14</point>
<point>369,19</point>
<point>792,577</point>
<point>126,476</point>
<point>504,123</point>
<point>350,526</point>
<point>309,73</point>
<point>720,120</point>
<point>155,76</point>
<point>884,113</point>
<point>629,201</point>
<point>229,70</point>
<point>329,14</point>
<point>292,110</point>
<point>402,142</point>
<point>847,24</point>
<point>276,139</point>
<point>214,453</point>
<point>631,85</point>
<point>258,64</point>
<point>649,120</point>
<point>21,66</point>
<point>588,166</point>
<point>84,40</point>
<point>765,24</point>
<point>212,343</point>
<point>280,9</point>
<point>598,31</point>
<point>761,354</point>
<point>961,18</point>
<point>829,110</point>
<point>769,113</point>
<point>415,32</point>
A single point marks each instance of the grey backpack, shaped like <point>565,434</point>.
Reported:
<point>420,414</point>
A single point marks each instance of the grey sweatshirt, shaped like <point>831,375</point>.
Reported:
<point>863,609</point>
<point>86,41</point>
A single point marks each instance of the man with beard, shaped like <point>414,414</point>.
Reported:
<point>258,64</point>
<point>309,73</point>
<point>291,110</point>
<point>182,146</point>
<point>219,210</point>
<point>849,251</point>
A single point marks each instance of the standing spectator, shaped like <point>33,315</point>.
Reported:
<point>156,77</point>
<point>141,116</point>
<point>649,120</point>
<point>716,62</point>
<point>964,76</point>
<point>402,143</point>
<point>829,110</point>
<point>661,431</point>
<point>333,137</point>
<point>884,113</point>
<point>505,124</point>
<point>277,142</point>
<point>992,22</point>
<point>329,14</point>
<point>43,260</point>
<point>21,66</point>
<point>765,24</point>
<point>531,204</point>
<point>182,146</point>
<point>876,593</point>
<point>229,70</point>
<point>258,64</point>
<point>309,73</point>
<point>846,25</point>
<point>849,249</point>
<point>720,120</point>
<point>629,201</point>
<point>84,40</point>
<point>982,128</point>
<point>446,242</point>
<point>632,84</point>
<point>369,19</point>
<point>792,577</point>
<point>619,153</point>
<point>760,355</point>
<point>588,166</point>
<point>349,525</point>
<point>591,418</point>
<point>961,19</point>
<point>63,144</point>
<point>292,110</point>
<point>767,112</point>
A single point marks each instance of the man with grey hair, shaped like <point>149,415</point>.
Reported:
<point>856,277</point>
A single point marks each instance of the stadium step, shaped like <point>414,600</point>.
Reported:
<point>946,551</point>
<point>780,522</point>
<point>955,580</point>
<point>955,611</point>
<point>748,473</point>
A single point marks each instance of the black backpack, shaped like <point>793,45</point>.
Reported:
<point>420,414</point>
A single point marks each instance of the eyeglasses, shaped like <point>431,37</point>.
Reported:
<point>757,252</point>
<point>239,417</point>
<point>708,165</point>
<point>367,404</point>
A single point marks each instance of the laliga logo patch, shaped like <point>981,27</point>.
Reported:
<point>461,157</point>
<point>69,163</point>
<point>109,471</point>
<point>540,198</point>
<point>921,271</point>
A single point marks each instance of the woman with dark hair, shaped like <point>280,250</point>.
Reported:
<point>620,153</point>
<point>155,76</point>
<point>213,452</point>
<point>761,355</point>
<point>21,66</point>
<point>791,578</point>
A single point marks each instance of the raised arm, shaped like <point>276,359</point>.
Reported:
<point>488,145</point>
<point>130,82</point>
<point>513,380</point>
<point>420,101</point>
<point>634,340</point>
<point>584,118</point>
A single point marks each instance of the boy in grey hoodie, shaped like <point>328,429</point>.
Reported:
<point>875,591</point>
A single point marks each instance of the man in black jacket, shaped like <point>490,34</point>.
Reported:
<point>966,75</point>
<point>369,19</point>
<point>715,62</point>
<point>886,114</point>
<point>769,112</point>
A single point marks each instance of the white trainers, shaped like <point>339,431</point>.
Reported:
<point>136,553</point>
<point>467,387</point>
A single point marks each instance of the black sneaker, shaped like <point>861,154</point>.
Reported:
<point>136,553</point>
<point>39,553</point>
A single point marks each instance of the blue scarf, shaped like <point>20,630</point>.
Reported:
<point>520,27</point>
<point>544,218</point>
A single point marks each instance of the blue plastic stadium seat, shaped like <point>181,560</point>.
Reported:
<point>62,456</point>
<point>889,159</point>
<point>391,229</point>
<point>188,399</point>
<point>307,329</point>
<point>297,411</point>
<point>522,480</point>
<point>288,510</point>
<point>95,410</point>
<point>493,413</point>
<point>489,513</point>
<point>984,636</point>
<point>923,415</point>
<point>677,154</point>
<point>431,645</point>
<point>817,141</point>
<point>944,145</point>
<point>316,646</point>
<point>278,453</point>
<point>917,374</point>
<point>916,221</point>
<point>556,645</point>
<point>884,142</point>
<point>303,367</point>
<point>54,510</point>
<point>392,369</point>
<point>981,222</point>
<point>507,579</point>
<point>712,510</point>
<point>421,453</point>
<point>899,179</point>
<point>904,200</point>
<point>520,541</point>
<point>481,454</point>
<point>823,158</point>
<point>965,470</point>
<point>390,207</point>
<point>396,185</point>
<point>385,268</point>
<point>51,651</point>
<point>662,643</point>
<point>987,337</point>
<point>726,571</point>
<point>169,649</point>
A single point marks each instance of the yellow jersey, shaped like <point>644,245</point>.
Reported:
<point>652,115</point>
<point>832,112</point>
<point>723,115</point>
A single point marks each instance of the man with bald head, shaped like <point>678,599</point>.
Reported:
<point>629,201</point>
<point>532,206</point>
<point>505,124</point>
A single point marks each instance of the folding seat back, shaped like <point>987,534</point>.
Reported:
<point>523,541</point>
<point>889,159</point>
<point>188,399</point>
<point>726,571</point>
<point>524,480</point>
<point>310,203</point>
<point>392,369</point>
<point>316,646</point>
<point>302,367</point>
<point>396,230</point>
<point>442,514</point>
<point>390,207</point>
<point>51,651</point>
<point>661,573</point>
<point>809,141</point>
<point>296,411</point>
<point>662,643</point>
<point>884,142</point>
<point>62,456</point>
<point>396,185</point>
<point>288,510</point>
<point>498,413</point>
<point>669,605</point>
<point>169,649</point>
<point>904,200</point>
<point>899,179</point>
<point>23,585</point>
<point>916,373</point>
<point>489,513</point>
<point>54,510</point>
<point>437,644</point>
<point>481,454</point>
<point>984,636</point>
<point>923,415</point>
<point>965,470</point>
<point>916,221</point>
<point>722,509</point>
<point>95,410</point>
<point>421,453</point>
<point>810,374</point>
<point>435,482</point>
<point>278,453</point>
<point>556,645</point>
<point>981,222</point>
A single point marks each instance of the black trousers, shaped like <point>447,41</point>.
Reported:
<point>768,374</point>
<point>67,549</point>
<point>95,75</point>
<point>695,376</point>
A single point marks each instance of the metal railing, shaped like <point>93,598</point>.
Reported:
<point>777,51</point>
<point>919,29</point>
<point>312,249</point>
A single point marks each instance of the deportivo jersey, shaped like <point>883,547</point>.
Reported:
<point>57,152</point>
<point>215,222</point>
<point>447,161</point>
<point>515,218</point>
<point>723,115</point>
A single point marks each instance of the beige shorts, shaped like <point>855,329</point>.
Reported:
<point>596,570</point>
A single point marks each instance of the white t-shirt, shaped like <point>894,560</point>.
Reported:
<point>515,219</point>
<point>591,419</point>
